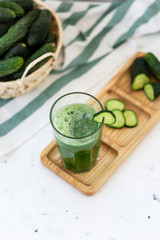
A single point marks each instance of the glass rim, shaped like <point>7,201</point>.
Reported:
<point>70,93</point>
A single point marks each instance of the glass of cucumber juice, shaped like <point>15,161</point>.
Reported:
<point>77,135</point>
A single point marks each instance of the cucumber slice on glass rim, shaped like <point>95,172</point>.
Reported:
<point>108,116</point>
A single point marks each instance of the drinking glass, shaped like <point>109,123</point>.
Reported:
<point>79,154</point>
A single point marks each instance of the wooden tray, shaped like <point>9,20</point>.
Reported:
<point>116,144</point>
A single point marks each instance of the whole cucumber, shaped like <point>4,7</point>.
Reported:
<point>27,5</point>
<point>25,21</point>
<point>20,49</point>
<point>51,38</point>
<point>6,15</point>
<point>17,31</point>
<point>44,49</point>
<point>11,65</point>
<point>19,11</point>
<point>5,26</point>
<point>10,38</point>
<point>40,28</point>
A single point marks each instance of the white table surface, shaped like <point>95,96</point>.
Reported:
<point>35,204</point>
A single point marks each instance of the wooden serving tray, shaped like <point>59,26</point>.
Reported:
<point>116,144</point>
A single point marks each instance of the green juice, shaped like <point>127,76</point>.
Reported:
<point>78,137</point>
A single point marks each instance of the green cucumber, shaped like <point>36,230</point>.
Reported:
<point>11,65</point>
<point>44,49</point>
<point>25,21</point>
<point>153,64</point>
<point>105,116</point>
<point>27,5</point>
<point>20,49</point>
<point>113,103</point>
<point>139,74</point>
<point>19,11</point>
<point>40,28</point>
<point>17,31</point>
<point>51,38</point>
<point>6,15</point>
<point>131,119</point>
<point>5,26</point>
<point>120,120</point>
<point>11,38</point>
<point>152,90</point>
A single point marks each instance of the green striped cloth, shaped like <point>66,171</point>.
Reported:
<point>97,39</point>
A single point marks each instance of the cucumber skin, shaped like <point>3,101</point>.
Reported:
<point>25,21</point>
<point>6,15</point>
<point>27,5</point>
<point>11,65</point>
<point>40,28</point>
<point>44,49</point>
<point>19,11</point>
<point>156,89</point>
<point>139,66</point>
<point>17,31</point>
<point>153,64</point>
<point>5,26</point>
<point>20,49</point>
<point>51,38</point>
<point>10,38</point>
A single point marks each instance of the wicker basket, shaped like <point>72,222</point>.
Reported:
<point>18,87</point>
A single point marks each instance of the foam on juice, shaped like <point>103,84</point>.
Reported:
<point>75,120</point>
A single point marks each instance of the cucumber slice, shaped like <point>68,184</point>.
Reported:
<point>139,74</point>
<point>131,119</point>
<point>108,116</point>
<point>153,64</point>
<point>120,120</point>
<point>113,103</point>
<point>152,90</point>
